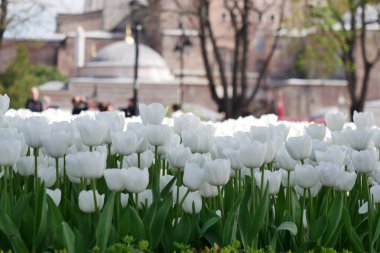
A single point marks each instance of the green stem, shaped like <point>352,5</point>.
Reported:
<point>301,220</point>
<point>252,192</point>
<point>57,173</point>
<point>221,206</point>
<point>118,220</point>
<point>93,183</point>
<point>262,180</point>
<point>370,214</point>
<point>288,195</point>
<point>35,153</point>
<point>138,160</point>
<point>121,161</point>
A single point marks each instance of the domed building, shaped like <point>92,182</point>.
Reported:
<point>109,77</point>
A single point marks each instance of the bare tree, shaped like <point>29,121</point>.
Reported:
<point>346,23</point>
<point>236,93</point>
<point>24,11</point>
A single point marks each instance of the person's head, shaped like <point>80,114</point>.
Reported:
<point>34,93</point>
<point>131,102</point>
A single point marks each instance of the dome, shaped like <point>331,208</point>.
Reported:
<point>123,54</point>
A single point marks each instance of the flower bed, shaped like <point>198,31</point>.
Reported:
<point>88,182</point>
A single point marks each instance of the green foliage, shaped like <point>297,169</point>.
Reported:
<point>21,75</point>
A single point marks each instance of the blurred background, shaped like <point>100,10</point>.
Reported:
<point>221,58</point>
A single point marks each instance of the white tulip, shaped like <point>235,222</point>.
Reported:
<point>152,114</point>
<point>186,121</point>
<point>55,195</point>
<point>177,157</point>
<point>47,175</point>
<point>358,138</point>
<point>124,197</point>
<point>328,173</point>
<point>92,131</point>
<point>208,191</point>
<point>375,193</point>
<point>86,201</point>
<point>306,175</point>
<point>194,199</point>
<point>335,121</point>
<point>193,176</point>
<point>86,164</point>
<point>233,156</point>
<point>115,179</point>
<point>158,135</point>
<point>33,129</point>
<point>316,131</point>
<point>124,143</point>
<point>217,172</point>
<point>345,181</point>
<point>9,151</point>
<point>364,161</point>
<point>55,144</point>
<point>136,180</point>
<point>299,148</point>
<point>363,119</point>
<point>252,155</point>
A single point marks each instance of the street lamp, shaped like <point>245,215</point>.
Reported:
<point>180,47</point>
<point>138,12</point>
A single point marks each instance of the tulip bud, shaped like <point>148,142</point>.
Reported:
<point>152,114</point>
<point>316,131</point>
<point>345,181</point>
<point>136,180</point>
<point>47,175</point>
<point>55,195</point>
<point>364,161</point>
<point>193,176</point>
<point>145,199</point>
<point>115,179</point>
<point>124,143</point>
<point>177,157</point>
<point>335,121</point>
<point>363,119</point>
<point>306,176</point>
<point>86,201</point>
<point>252,155</point>
<point>217,172</point>
<point>299,148</point>
<point>193,200</point>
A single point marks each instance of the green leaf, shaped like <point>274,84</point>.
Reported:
<point>167,188</point>
<point>157,227</point>
<point>105,221</point>
<point>333,217</point>
<point>133,225</point>
<point>182,232</point>
<point>352,235</point>
<point>13,235</point>
<point>245,222</point>
<point>318,228</point>
<point>19,209</point>
<point>230,226</point>
<point>55,221</point>
<point>259,217</point>
<point>209,223</point>
<point>288,226</point>
<point>41,213</point>
<point>69,237</point>
<point>285,226</point>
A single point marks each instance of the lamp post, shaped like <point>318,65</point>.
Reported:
<point>138,12</point>
<point>180,47</point>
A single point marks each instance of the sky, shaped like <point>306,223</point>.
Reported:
<point>39,15</point>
